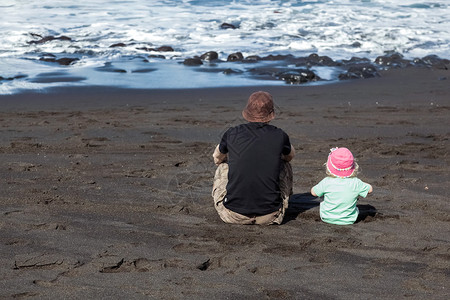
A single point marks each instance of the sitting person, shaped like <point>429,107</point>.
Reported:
<point>253,180</point>
<point>340,189</point>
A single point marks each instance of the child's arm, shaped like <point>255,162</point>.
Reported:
<point>370,189</point>
<point>313,193</point>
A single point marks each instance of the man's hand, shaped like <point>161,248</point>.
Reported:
<point>290,156</point>
<point>218,156</point>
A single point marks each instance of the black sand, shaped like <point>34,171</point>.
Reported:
<point>106,194</point>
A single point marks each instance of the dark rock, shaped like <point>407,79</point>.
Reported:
<point>433,61</point>
<point>316,60</point>
<point>228,26</point>
<point>159,49</point>
<point>265,73</point>
<point>277,57</point>
<point>302,62</point>
<point>43,40</point>
<point>394,60</point>
<point>49,38</point>
<point>164,49</point>
<point>157,56</point>
<point>356,60</point>
<point>83,51</point>
<point>235,57</point>
<point>46,59</point>
<point>298,76</point>
<point>252,58</point>
<point>65,61</point>
<point>204,265</point>
<point>195,61</point>
<point>356,45</point>
<point>210,56</point>
<point>117,45</point>
<point>359,71</point>
<point>231,71</point>
<point>145,49</point>
<point>419,62</point>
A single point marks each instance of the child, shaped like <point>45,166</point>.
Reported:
<point>340,189</point>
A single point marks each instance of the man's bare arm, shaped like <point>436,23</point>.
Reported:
<point>290,156</point>
<point>218,156</point>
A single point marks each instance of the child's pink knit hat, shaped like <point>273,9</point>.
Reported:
<point>340,162</point>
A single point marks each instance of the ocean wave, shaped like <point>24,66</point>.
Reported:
<point>98,31</point>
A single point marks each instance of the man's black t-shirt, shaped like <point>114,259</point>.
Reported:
<point>254,159</point>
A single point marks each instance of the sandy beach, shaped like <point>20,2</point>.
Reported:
<point>105,194</point>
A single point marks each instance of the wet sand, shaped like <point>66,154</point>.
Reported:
<point>106,194</point>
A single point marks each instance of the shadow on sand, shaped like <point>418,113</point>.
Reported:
<point>299,203</point>
<point>366,213</point>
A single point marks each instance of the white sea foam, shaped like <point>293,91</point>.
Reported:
<point>339,29</point>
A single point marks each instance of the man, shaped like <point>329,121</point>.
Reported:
<point>253,180</point>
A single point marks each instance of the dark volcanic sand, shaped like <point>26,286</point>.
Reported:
<point>106,194</point>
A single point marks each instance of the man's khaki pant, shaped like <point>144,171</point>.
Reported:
<point>219,192</point>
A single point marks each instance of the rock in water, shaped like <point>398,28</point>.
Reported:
<point>235,57</point>
<point>361,71</point>
<point>298,76</point>
<point>195,61</point>
<point>210,56</point>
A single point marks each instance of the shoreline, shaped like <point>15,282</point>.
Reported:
<point>206,72</point>
<point>431,76</point>
<point>106,193</point>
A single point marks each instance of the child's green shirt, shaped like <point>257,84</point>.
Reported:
<point>339,199</point>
